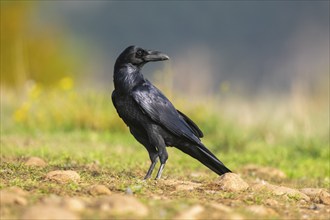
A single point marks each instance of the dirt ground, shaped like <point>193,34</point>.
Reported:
<point>35,190</point>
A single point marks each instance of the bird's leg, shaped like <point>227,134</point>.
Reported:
<point>160,171</point>
<point>163,156</point>
<point>154,159</point>
<point>151,168</point>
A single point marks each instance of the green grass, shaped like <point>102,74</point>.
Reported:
<point>82,127</point>
<point>76,129</point>
<point>120,152</point>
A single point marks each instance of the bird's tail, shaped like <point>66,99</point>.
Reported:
<point>206,157</point>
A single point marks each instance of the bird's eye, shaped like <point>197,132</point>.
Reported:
<point>139,53</point>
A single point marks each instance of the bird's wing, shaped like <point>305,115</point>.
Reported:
<point>192,125</point>
<point>113,97</point>
<point>154,104</point>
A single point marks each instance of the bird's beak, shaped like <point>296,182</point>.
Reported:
<point>155,56</point>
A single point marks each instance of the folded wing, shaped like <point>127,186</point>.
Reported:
<point>154,104</point>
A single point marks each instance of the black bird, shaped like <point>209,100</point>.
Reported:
<point>151,117</point>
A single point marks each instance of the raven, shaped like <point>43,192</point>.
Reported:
<point>151,117</point>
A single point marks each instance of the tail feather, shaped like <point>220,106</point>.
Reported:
<point>206,157</point>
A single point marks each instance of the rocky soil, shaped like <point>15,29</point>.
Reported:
<point>255,192</point>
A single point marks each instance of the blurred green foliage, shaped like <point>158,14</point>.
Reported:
<point>287,134</point>
<point>61,107</point>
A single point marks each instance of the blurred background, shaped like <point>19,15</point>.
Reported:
<point>247,47</point>
<point>247,59</point>
<point>254,75</point>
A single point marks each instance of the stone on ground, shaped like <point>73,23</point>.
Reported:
<point>317,195</point>
<point>325,197</point>
<point>280,190</point>
<point>231,182</point>
<point>35,162</point>
<point>96,190</point>
<point>63,176</point>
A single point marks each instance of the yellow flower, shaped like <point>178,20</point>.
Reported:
<point>66,83</point>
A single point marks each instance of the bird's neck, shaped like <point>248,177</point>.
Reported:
<point>126,77</point>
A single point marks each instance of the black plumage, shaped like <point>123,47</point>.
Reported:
<point>151,117</point>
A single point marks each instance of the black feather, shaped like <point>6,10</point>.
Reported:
<point>151,117</point>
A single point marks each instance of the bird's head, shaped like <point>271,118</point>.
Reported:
<point>138,56</point>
